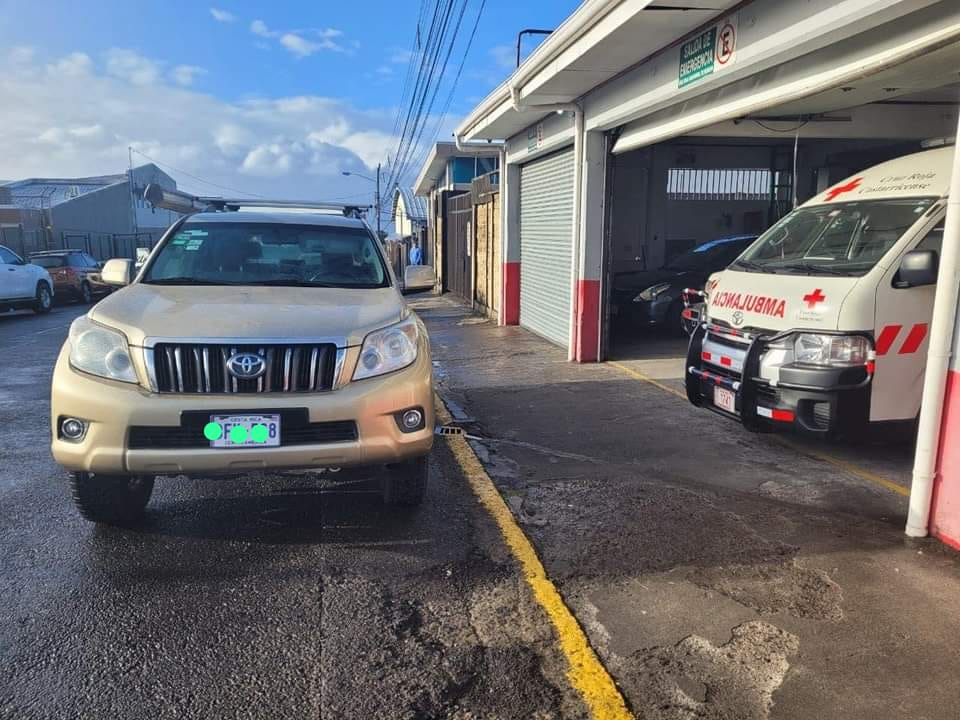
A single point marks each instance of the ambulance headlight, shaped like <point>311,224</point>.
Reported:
<point>831,350</point>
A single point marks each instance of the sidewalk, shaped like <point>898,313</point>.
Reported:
<point>718,574</point>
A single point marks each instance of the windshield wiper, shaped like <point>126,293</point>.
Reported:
<point>292,282</point>
<point>747,265</point>
<point>183,281</point>
<point>811,268</point>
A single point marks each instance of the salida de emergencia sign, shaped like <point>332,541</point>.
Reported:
<point>708,52</point>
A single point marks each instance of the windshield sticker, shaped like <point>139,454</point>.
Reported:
<point>191,238</point>
<point>760,304</point>
<point>918,182</point>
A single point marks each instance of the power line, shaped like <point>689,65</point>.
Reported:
<point>446,107</point>
<point>194,177</point>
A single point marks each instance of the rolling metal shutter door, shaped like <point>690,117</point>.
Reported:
<point>546,236</point>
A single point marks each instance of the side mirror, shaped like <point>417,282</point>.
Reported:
<point>118,271</point>
<point>918,268</point>
<point>418,279</point>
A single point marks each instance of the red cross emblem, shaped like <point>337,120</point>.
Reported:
<point>814,298</point>
<point>841,189</point>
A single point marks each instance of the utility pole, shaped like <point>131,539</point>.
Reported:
<point>377,203</point>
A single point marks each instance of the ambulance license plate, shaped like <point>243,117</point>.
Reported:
<point>725,399</point>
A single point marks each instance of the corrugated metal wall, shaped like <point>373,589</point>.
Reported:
<point>546,237</point>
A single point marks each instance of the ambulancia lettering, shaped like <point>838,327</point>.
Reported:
<point>760,304</point>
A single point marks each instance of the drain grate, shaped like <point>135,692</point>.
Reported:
<point>446,430</point>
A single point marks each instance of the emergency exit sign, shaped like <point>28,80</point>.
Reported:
<point>708,52</point>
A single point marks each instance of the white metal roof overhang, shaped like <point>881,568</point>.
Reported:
<point>598,41</point>
<point>915,54</point>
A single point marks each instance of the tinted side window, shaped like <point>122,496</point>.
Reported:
<point>77,261</point>
<point>7,257</point>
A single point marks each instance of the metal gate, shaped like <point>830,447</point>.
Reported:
<point>458,263</point>
<point>546,236</point>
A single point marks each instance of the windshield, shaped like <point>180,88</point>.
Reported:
<point>49,261</point>
<point>233,253</point>
<point>836,239</point>
<point>714,255</point>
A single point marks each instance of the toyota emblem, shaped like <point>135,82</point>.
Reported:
<point>246,366</point>
<point>738,318</point>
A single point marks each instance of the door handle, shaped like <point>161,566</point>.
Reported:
<point>11,269</point>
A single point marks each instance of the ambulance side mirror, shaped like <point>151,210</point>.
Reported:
<point>918,267</point>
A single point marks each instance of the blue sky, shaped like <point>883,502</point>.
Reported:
<point>271,98</point>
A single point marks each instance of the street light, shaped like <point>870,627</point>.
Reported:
<point>347,173</point>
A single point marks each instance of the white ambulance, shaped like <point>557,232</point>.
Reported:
<point>821,325</point>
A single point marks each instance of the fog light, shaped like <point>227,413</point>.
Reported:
<point>410,420</point>
<point>72,429</point>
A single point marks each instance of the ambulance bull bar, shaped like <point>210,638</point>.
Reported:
<point>747,385</point>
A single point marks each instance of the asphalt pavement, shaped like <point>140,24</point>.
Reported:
<point>280,596</point>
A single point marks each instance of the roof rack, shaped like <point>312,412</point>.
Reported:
<point>186,203</point>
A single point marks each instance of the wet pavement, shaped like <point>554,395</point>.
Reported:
<point>294,596</point>
<point>718,574</point>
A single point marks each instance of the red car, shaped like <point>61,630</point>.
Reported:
<point>75,274</point>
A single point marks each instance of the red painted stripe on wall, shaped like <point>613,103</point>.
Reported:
<point>945,510</point>
<point>887,337</point>
<point>511,294</point>
<point>914,340</point>
<point>588,321</point>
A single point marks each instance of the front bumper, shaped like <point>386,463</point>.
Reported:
<point>824,402</point>
<point>643,313</point>
<point>112,408</point>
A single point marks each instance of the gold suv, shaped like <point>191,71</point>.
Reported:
<point>249,341</point>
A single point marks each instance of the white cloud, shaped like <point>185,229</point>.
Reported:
<point>300,43</point>
<point>132,67</point>
<point>87,131</point>
<point>292,147</point>
<point>75,64</point>
<point>384,70</point>
<point>186,74</point>
<point>400,57</point>
<point>259,27</point>
<point>222,15</point>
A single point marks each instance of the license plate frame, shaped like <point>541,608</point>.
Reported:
<point>725,399</point>
<point>248,421</point>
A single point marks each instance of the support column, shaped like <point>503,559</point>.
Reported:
<point>587,310</point>
<point>510,242</point>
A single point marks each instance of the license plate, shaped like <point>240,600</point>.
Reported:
<point>725,399</point>
<point>236,431</point>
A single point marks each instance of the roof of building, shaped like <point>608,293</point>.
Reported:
<point>436,162</point>
<point>37,193</point>
<point>414,206</point>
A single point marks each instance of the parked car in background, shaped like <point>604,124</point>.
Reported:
<point>75,274</point>
<point>23,286</point>
<point>647,298</point>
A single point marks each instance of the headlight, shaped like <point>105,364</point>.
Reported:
<point>100,351</point>
<point>834,350</point>
<point>389,349</point>
<point>652,292</point>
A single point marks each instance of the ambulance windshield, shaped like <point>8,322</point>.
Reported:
<point>835,239</point>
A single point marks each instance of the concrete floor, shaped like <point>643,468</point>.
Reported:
<point>719,574</point>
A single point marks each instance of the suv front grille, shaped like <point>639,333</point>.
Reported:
<point>202,368</point>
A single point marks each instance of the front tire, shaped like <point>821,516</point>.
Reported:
<point>44,299</point>
<point>86,294</point>
<point>110,499</point>
<point>405,484</point>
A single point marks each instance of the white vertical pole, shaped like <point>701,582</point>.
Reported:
<point>938,363</point>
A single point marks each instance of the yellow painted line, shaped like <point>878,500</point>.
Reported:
<point>640,376</point>
<point>586,673</point>
<point>837,462</point>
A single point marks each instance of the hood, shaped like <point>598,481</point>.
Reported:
<point>642,279</point>
<point>141,311</point>
<point>777,302</point>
